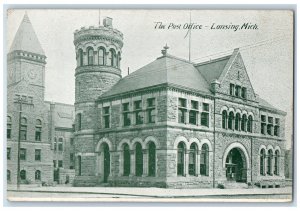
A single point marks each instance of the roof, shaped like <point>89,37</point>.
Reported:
<point>26,39</point>
<point>166,69</point>
<point>213,69</point>
<point>265,104</point>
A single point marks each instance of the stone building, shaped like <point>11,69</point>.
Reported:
<point>40,122</point>
<point>172,123</point>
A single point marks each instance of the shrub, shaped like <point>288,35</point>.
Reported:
<point>221,186</point>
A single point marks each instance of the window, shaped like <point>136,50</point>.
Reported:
<point>79,121</point>
<point>204,160</point>
<point>224,119</point>
<point>182,110</point>
<point>126,160</point>
<point>8,175</point>
<point>126,115</point>
<point>71,157</point>
<point>38,130</point>
<point>23,129</point>
<point>230,120</point>
<point>8,131</point>
<point>71,141</point>
<point>263,124</point>
<point>277,158</point>
<point>237,121</point>
<point>151,159</point>
<point>119,60</point>
<point>269,162</point>
<point>60,164</point>
<point>60,144</point>
<point>151,110</point>
<point>54,164</point>
<point>244,123</point>
<point>37,175</point>
<point>244,93</point>
<point>180,159</point>
<point>231,89</point>
<point>112,58</point>
<point>193,112</point>
<point>270,126</point>
<point>205,115</point>
<point>23,175</point>
<point>90,56</point>
<point>138,160</point>
<point>22,154</point>
<point>55,144</point>
<point>192,159</point>
<point>79,165</point>
<point>8,153</point>
<point>106,117</point>
<point>250,124</point>
<point>237,91</point>
<point>80,57</point>
<point>101,57</point>
<point>262,161</point>
<point>38,155</point>
<point>138,112</point>
<point>276,127</point>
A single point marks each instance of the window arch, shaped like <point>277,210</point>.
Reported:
<point>23,175</point>
<point>37,175</point>
<point>9,123</point>
<point>270,159</point>
<point>277,164</point>
<point>192,159</point>
<point>126,160</point>
<point>38,130</point>
<point>138,160</point>
<point>90,53</point>
<point>80,57</point>
<point>180,158</point>
<point>151,159</point>
<point>262,161</point>
<point>237,121</point>
<point>101,56</point>
<point>60,144</point>
<point>8,175</point>
<point>23,128</point>
<point>250,124</point>
<point>230,120</point>
<point>204,160</point>
<point>224,119</point>
<point>244,123</point>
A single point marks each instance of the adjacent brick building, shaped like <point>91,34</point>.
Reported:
<point>172,123</point>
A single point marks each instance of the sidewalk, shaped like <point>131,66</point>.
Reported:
<point>154,192</point>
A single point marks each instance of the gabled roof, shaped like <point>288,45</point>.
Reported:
<point>26,39</point>
<point>164,70</point>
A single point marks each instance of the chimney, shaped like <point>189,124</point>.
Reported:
<point>107,22</point>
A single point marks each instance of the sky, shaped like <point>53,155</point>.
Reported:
<point>267,51</point>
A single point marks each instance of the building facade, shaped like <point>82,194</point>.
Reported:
<point>45,129</point>
<point>172,123</point>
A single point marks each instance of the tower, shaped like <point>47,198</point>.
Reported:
<point>98,55</point>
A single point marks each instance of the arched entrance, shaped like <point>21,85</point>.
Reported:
<point>105,161</point>
<point>236,165</point>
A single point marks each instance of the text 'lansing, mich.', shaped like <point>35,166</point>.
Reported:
<point>213,26</point>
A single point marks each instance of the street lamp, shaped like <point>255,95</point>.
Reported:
<point>21,101</point>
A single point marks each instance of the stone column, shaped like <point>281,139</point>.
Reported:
<point>145,163</point>
<point>132,163</point>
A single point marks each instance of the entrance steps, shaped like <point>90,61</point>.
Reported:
<point>236,185</point>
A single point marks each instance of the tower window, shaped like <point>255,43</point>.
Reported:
<point>112,58</point>
<point>9,123</point>
<point>90,56</point>
<point>80,57</point>
<point>38,130</point>
<point>79,121</point>
<point>101,57</point>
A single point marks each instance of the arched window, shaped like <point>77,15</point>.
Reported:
<point>250,123</point>
<point>8,175</point>
<point>9,123</point>
<point>270,158</point>
<point>79,165</point>
<point>80,57</point>
<point>192,159</point>
<point>230,120</point>
<point>23,175</point>
<point>112,58</point>
<point>224,119</point>
<point>90,52</point>
<point>119,60</point>
<point>138,160</point>
<point>262,161</point>
<point>23,128</point>
<point>151,159</point>
<point>244,122</point>
<point>204,160</point>
<point>126,160</point>
<point>180,158</point>
<point>38,130</point>
<point>101,56</point>
<point>37,175</point>
<point>277,159</point>
<point>237,121</point>
<point>60,144</point>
